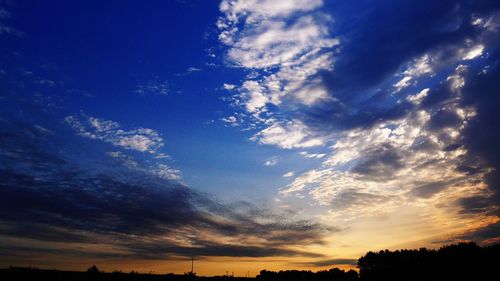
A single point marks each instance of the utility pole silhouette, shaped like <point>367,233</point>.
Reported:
<point>192,265</point>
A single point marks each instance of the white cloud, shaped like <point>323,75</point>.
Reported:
<point>140,139</point>
<point>228,87</point>
<point>274,43</point>
<point>288,175</point>
<point>417,98</point>
<point>420,66</point>
<point>403,83</point>
<point>456,80</point>
<point>254,95</point>
<point>312,155</point>
<point>372,171</point>
<point>292,134</point>
<point>415,69</point>
<point>166,172</point>
<point>473,52</point>
<point>289,37</point>
<point>262,9</point>
<point>193,69</point>
<point>271,162</point>
<point>232,120</point>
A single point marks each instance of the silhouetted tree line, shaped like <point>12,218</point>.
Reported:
<point>94,274</point>
<point>463,261</point>
<point>334,274</point>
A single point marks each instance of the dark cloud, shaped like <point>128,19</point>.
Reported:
<point>482,135</point>
<point>485,234</point>
<point>67,195</point>
<point>353,198</point>
<point>444,118</point>
<point>429,189</point>
<point>386,35</point>
<point>378,39</point>
<point>331,262</point>
<point>207,249</point>
<point>475,204</point>
<point>380,164</point>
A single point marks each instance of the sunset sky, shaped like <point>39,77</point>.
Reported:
<point>247,134</point>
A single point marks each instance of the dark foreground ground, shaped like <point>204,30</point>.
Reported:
<point>463,261</point>
<point>33,274</point>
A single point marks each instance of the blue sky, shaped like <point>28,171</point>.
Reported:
<point>304,123</point>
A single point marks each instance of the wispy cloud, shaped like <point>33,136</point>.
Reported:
<point>271,161</point>
<point>140,139</point>
<point>153,87</point>
<point>5,29</point>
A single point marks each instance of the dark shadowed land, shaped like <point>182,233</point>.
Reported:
<point>463,261</point>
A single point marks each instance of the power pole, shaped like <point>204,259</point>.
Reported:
<point>192,265</point>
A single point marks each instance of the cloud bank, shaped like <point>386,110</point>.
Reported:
<point>404,100</point>
<point>55,203</point>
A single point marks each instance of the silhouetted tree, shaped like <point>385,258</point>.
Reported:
<point>463,261</point>
<point>93,269</point>
<point>333,274</point>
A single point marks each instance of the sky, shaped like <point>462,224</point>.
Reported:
<point>247,134</point>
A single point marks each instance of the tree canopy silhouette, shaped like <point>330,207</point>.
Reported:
<point>463,261</point>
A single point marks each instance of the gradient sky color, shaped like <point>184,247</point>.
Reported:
<point>248,134</point>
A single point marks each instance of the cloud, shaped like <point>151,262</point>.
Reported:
<point>159,170</point>
<point>331,262</point>
<point>312,155</point>
<point>166,172</point>
<point>291,38</point>
<point>293,134</point>
<point>397,98</point>
<point>473,52</point>
<point>140,139</point>
<point>288,174</point>
<point>415,69</point>
<point>271,162</point>
<point>228,86</point>
<point>5,15</point>
<point>231,120</point>
<point>417,98</point>
<point>193,69</point>
<point>489,234</point>
<point>370,172</point>
<point>153,87</point>
<point>126,160</point>
<point>64,200</point>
